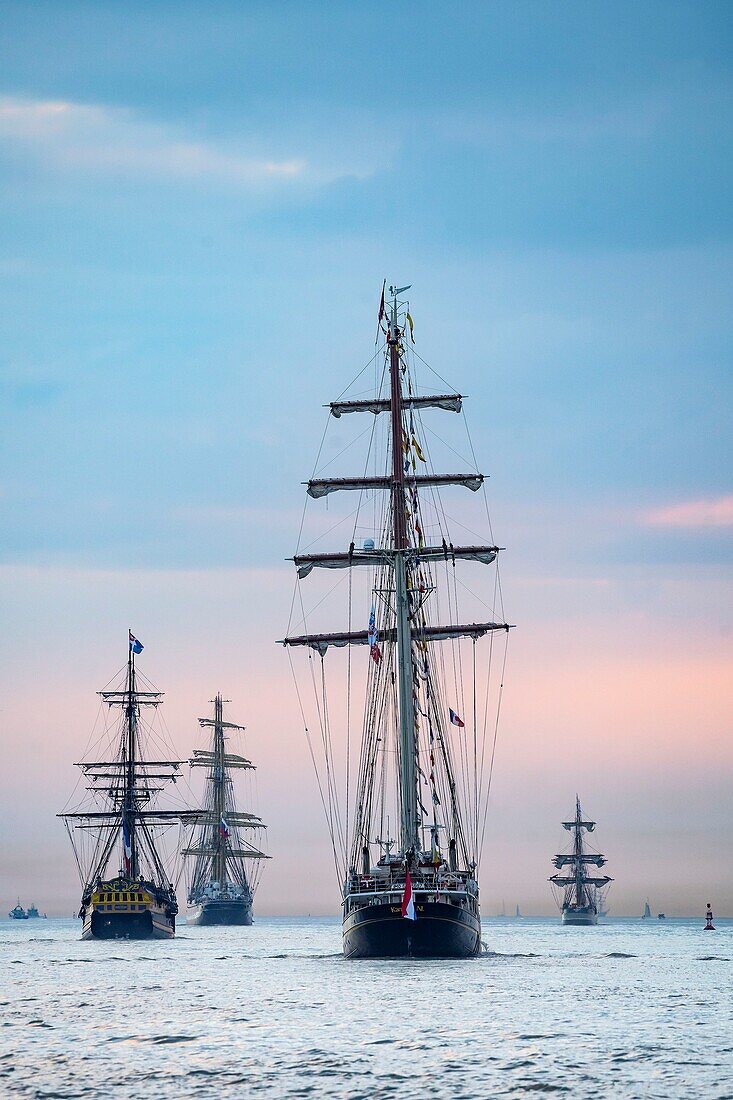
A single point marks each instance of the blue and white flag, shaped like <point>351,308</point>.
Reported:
<point>136,646</point>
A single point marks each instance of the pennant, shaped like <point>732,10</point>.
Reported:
<point>223,829</point>
<point>418,450</point>
<point>455,720</point>
<point>136,646</point>
<point>380,315</point>
<point>412,328</point>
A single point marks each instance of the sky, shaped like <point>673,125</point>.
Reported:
<point>200,203</point>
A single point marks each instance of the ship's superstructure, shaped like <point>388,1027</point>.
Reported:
<point>582,891</point>
<point>126,888</point>
<point>420,766</point>
<point>225,865</point>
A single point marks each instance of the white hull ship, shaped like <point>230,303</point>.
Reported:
<point>222,889</point>
<point>419,763</point>
<point>137,900</point>
<point>582,893</point>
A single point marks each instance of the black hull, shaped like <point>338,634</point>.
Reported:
<point>580,915</point>
<point>128,926</point>
<point>441,931</point>
<point>219,912</point>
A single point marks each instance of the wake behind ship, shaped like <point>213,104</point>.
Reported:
<point>583,893</point>
<point>420,766</point>
<point>127,892</point>
<point>222,889</point>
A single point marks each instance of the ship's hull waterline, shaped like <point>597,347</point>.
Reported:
<point>440,931</point>
<point>219,912</point>
<point>127,926</point>
<point>581,916</point>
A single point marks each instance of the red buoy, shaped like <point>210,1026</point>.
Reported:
<point>709,926</point>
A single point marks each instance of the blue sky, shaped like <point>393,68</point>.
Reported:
<point>200,203</point>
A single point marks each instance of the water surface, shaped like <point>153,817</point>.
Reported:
<point>628,1009</point>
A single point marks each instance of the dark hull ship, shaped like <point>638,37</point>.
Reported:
<point>222,889</point>
<point>582,892</point>
<point>419,763</point>
<point>127,892</point>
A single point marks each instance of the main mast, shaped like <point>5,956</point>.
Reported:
<point>128,807</point>
<point>219,783</point>
<point>578,852</point>
<point>406,716</point>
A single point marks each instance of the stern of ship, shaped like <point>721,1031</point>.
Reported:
<point>447,921</point>
<point>121,909</point>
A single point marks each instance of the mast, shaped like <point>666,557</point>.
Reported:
<point>578,850</point>
<point>128,809</point>
<point>406,716</point>
<point>124,790</point>
<point>219,781</point>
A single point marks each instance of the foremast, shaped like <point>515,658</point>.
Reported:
<point>409,838</point>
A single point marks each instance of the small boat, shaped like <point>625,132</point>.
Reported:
<point>647,911</point>
<point>222,888</point>
<point>18,912</point>
<point>661,916</point>
<point>582,892</point>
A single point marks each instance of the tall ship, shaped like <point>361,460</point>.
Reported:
<point>225,865</point>
<point>421,765</point>
<point>583,893</point>
<point>117,835</point>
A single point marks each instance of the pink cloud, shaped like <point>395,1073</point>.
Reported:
<point>715,512</point>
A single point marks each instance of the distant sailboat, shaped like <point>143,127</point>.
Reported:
<point>222,889</point>
<point>126,888</point>
<point>582,892</point>
<point>647,911</point>
<point>517,913</point>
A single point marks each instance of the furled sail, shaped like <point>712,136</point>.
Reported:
<point>304,563</point>
<point>451,402</point>
<point>321,487</point>
<point>321,642</point>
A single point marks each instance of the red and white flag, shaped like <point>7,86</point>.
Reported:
<point>408,902</point>
<point>455,718</point>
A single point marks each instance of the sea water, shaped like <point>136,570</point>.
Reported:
<point>630,1008</point>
